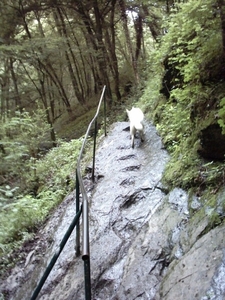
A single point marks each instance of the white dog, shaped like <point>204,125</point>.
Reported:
<point>136,118</point>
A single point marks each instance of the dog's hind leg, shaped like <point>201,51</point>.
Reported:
<point>132,135</point>
<point>142,136</point>
<point>132,141</point>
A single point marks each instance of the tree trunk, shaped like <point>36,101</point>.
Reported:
<point>83,69</point>
<point>139,35</point>
<point>16,90</point>
<point>4,82</point>
<point>128,40</point>
<point>77,86</point>
<point>221,5</point>
<point>46,66</point>
<point>102,52</point>
<point>94,39</point>
<point>112,50</point>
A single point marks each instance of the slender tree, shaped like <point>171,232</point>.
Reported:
<point>18,102</point>
<point>221,5</point>
<point>128,40</point>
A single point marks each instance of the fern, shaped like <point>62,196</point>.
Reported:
<point>191,53</point>
<point>221,113</point>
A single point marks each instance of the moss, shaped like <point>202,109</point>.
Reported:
<point>183,96</point>
<point>212,210</point>
<point>180,131</point>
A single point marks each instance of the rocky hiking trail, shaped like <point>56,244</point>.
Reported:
<point>143,244</point>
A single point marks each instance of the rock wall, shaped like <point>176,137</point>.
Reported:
<point>144,242</point>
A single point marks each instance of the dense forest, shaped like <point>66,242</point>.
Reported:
<point>168,57</point>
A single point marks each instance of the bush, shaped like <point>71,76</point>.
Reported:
<point>186,100</point>
<point>54,175</point>
<point>21,137</point>
<point>57,169</point>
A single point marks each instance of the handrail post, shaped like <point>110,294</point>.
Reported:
<point>85,248</point>
<point>87,278</point>
<point>56,255</point>
<point>105,114</point>
<point>77,246</point>
<point>94,149</point>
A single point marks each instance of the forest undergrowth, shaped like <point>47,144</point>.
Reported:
<point>181,90</point>
<point>184,96</point>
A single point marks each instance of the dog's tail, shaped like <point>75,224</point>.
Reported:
<point>138,126</point>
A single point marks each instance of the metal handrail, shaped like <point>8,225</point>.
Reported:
<point>80,186</point>
<point>56,255</point>
<point>85,250</point>
<point>83,209</point>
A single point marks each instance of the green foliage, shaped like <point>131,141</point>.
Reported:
<point>21,139</point>
<point>54,176</point>
<point>7,193</point>
<point>191,52</point>
<point>151,98</point>
<point>22,216</point>
<point>37,183</point>
<point>20,219</point>
<point>193,43</point>
<point>193,48</point>
<point>221,120</point>
<point>57,169</point>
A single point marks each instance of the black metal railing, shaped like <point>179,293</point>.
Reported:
<point>80,187</point>
<point>80,209</point>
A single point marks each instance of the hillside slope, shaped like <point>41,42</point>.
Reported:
<point>145,244</point>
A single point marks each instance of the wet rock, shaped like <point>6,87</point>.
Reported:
<point>179,200</point>
<point>192,276</point>
<point>128,181</point>
<point>127,157</point>
<point>131,168</point>
<point>217,290</point>
<point>195,203</point>
<point>131,199</point>
<point>148,185</point>
<point>220,204</point>
<point>121,205</point>
<point>144,244</point>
